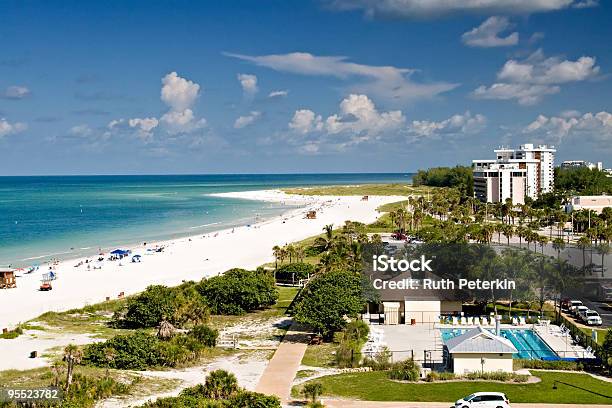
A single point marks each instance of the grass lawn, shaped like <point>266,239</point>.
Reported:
<point>363,189</point>
<point>601,334</point>
<point>376,386</point>
<point>321,355</point>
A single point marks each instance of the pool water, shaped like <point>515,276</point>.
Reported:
<point>526,341</point>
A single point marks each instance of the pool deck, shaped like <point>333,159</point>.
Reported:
<point>560,344</point>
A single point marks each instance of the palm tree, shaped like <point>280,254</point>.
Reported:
<point>603,250</point>
<point>220,385</point>
<point>542,240</point>
<point>558,245</point>
<point>508,232</point>
<point>290,249</point>
<point>499,228</point>
<point>583,243</point>
<point>276,250</point>
<point>72,355</point>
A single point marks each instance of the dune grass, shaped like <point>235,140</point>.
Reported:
<point>361,190</point>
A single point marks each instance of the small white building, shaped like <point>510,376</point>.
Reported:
<point>595,203</point>
<point>480,350</point>
<point>407,306</point>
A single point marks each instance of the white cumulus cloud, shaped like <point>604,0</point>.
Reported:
<point>457,124</point>
<point>248,82</point>
<point>144,126</point>
<point>178,93</point>
<point>594,126</point>
<point>246,120</point>
<point>358,115</point>
<point>8,128</point>
<point>530,80</point>
<point>305,121</point>
<point>488,34</point>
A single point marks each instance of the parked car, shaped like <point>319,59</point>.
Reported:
<point>582,313</point>
<point>592,318</point>
<point>579,309</point>
<point>573,304</point>
<point>399,236</point>
<point>484,400</point>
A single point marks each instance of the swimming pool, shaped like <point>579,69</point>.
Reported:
<point>526,341</point>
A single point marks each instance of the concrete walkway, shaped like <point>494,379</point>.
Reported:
<point>330,403</point>
<point>280,372</point>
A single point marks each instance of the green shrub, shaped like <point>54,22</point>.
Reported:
<point>440,376</point>
<point>238,291</point>
<point>497,376</point>
<point>547,365</point>
<point>357,330</point>
<point>220,390</point>
<point>148,308</point>
<point>328,298</point>
<point>312,391</point>
<point>381,360</point>
<point>407,370</point>
<point>85,391</point>
<point>205,335</point>
<point>140,350</point>
<point>296,271</point>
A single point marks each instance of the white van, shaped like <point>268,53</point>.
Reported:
<point>484,400</point>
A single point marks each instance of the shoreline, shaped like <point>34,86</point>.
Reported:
<point>186,258</point>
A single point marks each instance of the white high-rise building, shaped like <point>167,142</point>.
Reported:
<point>534,164</point>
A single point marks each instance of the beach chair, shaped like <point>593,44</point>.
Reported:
<point>477,321</point>
<point>515,321</point>
<point>463,321</point>
<point>470,320</point>
<point>522,321</point>
<point>455,321</point>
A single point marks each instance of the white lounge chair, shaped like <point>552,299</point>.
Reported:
<point>522,321</point>
<point>515,321</point>
<point>477,321</point>
<point>470,320</point>
<point>463,321</point>
<point>455,321</point>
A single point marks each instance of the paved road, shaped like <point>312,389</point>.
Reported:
<point>371,404</point>
<point>604,310</point>
<point>280,372</point>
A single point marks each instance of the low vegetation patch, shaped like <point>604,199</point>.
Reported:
<point>220,390</point>
<point>238,291</point>
<point>141,350</point>
<point>360,190</point>
<point>547,365</point>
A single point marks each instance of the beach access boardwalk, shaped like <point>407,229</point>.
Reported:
<point>278,376</point>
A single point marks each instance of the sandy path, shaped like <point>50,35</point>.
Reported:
<point>185,258</point>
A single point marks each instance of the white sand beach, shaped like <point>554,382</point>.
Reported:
<point>190,258</point>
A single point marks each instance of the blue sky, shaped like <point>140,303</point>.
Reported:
<point>120,87</point>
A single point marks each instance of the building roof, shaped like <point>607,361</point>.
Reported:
<point>479,340</point>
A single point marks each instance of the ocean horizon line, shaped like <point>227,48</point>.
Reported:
<point>205,174</point>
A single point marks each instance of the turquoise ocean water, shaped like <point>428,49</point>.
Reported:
<point>69,216</point>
